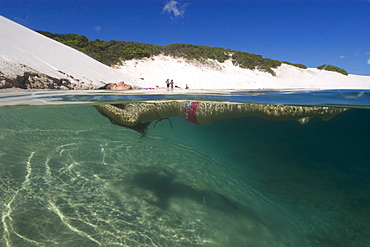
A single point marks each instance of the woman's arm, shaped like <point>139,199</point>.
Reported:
<point>132,114</point>
<point>127,116</point>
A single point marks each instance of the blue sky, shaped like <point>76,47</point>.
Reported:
<point>310,32</point>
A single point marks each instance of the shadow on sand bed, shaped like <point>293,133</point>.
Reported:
<point>164,186</point>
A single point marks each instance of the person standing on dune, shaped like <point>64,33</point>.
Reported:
<point>171,84</point>
<point>168,83</point>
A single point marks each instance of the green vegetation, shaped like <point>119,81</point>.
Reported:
<point>252,61</point>
<point>333,68</point>
<point>114,52</point>
<point>198,52</point>
<point>298,65</point>
<point>108,52</point>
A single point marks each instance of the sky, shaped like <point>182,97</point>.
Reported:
<point>309,32</point>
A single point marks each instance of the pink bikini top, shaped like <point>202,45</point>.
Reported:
<point>191,112</point>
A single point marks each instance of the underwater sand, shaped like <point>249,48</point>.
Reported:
<point>68,177</point>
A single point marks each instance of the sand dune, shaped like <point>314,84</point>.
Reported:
<point>215,75</point>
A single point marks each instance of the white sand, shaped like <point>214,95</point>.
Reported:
<point>214,75</point>
<point>22,46</point>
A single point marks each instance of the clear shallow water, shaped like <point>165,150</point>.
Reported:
<point>68,177</point>
<point>348,98</point>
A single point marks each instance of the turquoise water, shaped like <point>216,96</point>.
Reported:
<point>68,177</point>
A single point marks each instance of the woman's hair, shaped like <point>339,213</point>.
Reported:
<point>141,127</point>
<point>103,87</point>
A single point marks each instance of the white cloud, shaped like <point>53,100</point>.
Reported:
<point>341,57</point>
<point>97,29</point>
<point>368,61</point>
<point>174,8</point>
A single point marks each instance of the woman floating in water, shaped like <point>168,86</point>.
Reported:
<point>139,115</point>
<point>117,86</point>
